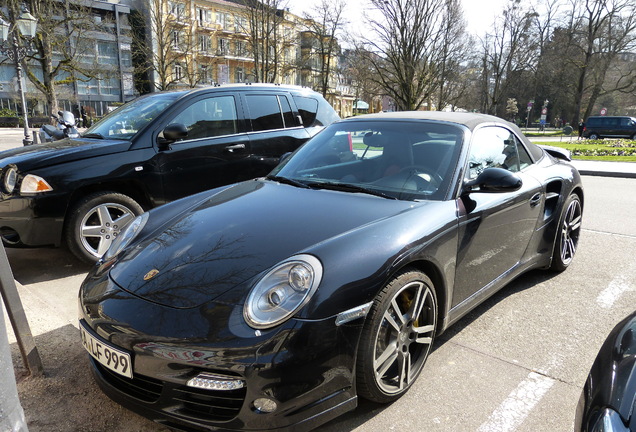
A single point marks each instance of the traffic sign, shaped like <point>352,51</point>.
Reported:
<point>603,111</point>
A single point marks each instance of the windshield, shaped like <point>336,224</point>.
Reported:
<point>395,158</point>
<point>127,120</point>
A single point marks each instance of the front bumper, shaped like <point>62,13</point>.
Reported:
<point>305,367</point>
<point>32,221</point>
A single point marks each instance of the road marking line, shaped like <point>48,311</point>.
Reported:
<point>616,288</point>
<point>514,410</point>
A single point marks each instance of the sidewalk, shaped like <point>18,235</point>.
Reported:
<point>12,137</point>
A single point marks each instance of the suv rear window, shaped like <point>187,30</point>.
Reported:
<point>307,108</point>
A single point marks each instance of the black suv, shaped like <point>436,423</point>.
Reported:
<point>610,126</point>
<point>153,150</point>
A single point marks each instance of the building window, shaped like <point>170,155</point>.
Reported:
<point>240,24</point>
<point>240,75</point>
<point>204,43</point>
<point>203,16</point>
<point>107,53</point>
<point>224,46</point>
<point>110,86</point>
<point>224,19</point>
<point>204,74</point>
<point>177,72</point>
<point>126,58</point>
<point>176,39</point>
<point>241,48</point>
<point>177,10</point>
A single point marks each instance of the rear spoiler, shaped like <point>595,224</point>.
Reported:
<point>557,152</point>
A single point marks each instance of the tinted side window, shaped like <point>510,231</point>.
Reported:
<point>496,147</point>
<point>214,116</point>
<point>265,112</point>
<point>307,108</point>
<point>288,116</point>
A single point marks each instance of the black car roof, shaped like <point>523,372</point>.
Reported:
<point>242,87</point>
<point>470,120</point>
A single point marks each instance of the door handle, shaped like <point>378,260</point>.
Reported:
<point>233,148</point>
<point>535,200</point>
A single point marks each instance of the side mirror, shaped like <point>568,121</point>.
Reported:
<point>284,157</point>
<point>493,180</point>
<point>171,133</point>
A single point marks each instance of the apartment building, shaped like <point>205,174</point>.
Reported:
<point>103,51</point>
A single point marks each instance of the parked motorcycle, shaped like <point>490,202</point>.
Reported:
<point>64,128</point>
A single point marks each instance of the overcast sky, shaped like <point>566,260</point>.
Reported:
<point>479,14</point>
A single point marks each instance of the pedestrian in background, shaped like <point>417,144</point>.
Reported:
<point>581,128</point>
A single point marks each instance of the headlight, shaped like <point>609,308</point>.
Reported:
<point>126,235</point>
<point>283,291</point>
<point>34,184</point>
<point>9,179</point>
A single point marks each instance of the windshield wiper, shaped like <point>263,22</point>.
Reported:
<point>347,187</point>
<point>288,181</point>
<point>93,135</point>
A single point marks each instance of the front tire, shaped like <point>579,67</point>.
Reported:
<point>96,221</point>
<point>567,236</point>
<point>397,337</point>
<point>594,136</point>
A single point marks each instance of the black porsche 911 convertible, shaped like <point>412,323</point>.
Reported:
<point>274,303</point>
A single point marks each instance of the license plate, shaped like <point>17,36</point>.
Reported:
<point>114,359</point>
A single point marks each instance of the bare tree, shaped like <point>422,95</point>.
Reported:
<point>266,37</point>
<point>454,53</point>
<point>168,44</point>
<point>356,71</point>
<point>601,30</point>
<point>407,44</point>
<point>61,33</point>
<point>325,22</point>
<point>508,50</point>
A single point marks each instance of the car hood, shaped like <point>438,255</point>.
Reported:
<point>233,236</point>
<point>67,150</point>
<point>612,379</point>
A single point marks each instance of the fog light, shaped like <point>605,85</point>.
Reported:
<point>265,405</point>
<point>210,381</point>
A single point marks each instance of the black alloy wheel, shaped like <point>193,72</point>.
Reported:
<point>567,237</point>
<point>397,337</point>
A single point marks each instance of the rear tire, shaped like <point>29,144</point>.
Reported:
<point>594,136</point>
<point>397,337</point>
<point>96,221</point>
<point>567,235</point>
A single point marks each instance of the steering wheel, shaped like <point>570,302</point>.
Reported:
<point>424,177</point>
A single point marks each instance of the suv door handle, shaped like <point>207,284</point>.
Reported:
<point>232,148</point>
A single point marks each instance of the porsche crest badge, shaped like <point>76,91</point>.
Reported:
<point>152,273</point>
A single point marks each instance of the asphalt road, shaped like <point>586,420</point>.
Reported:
<point>516,363</point>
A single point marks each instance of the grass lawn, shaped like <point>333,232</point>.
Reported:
<point>600,150</point>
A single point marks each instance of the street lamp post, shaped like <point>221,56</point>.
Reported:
<point>26,26</point>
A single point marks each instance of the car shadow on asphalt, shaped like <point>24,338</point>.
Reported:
<point>44,264</point>
<point>367,410</point>
<point>525,281</point>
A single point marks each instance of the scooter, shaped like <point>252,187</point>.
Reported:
<point>64,128</point>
